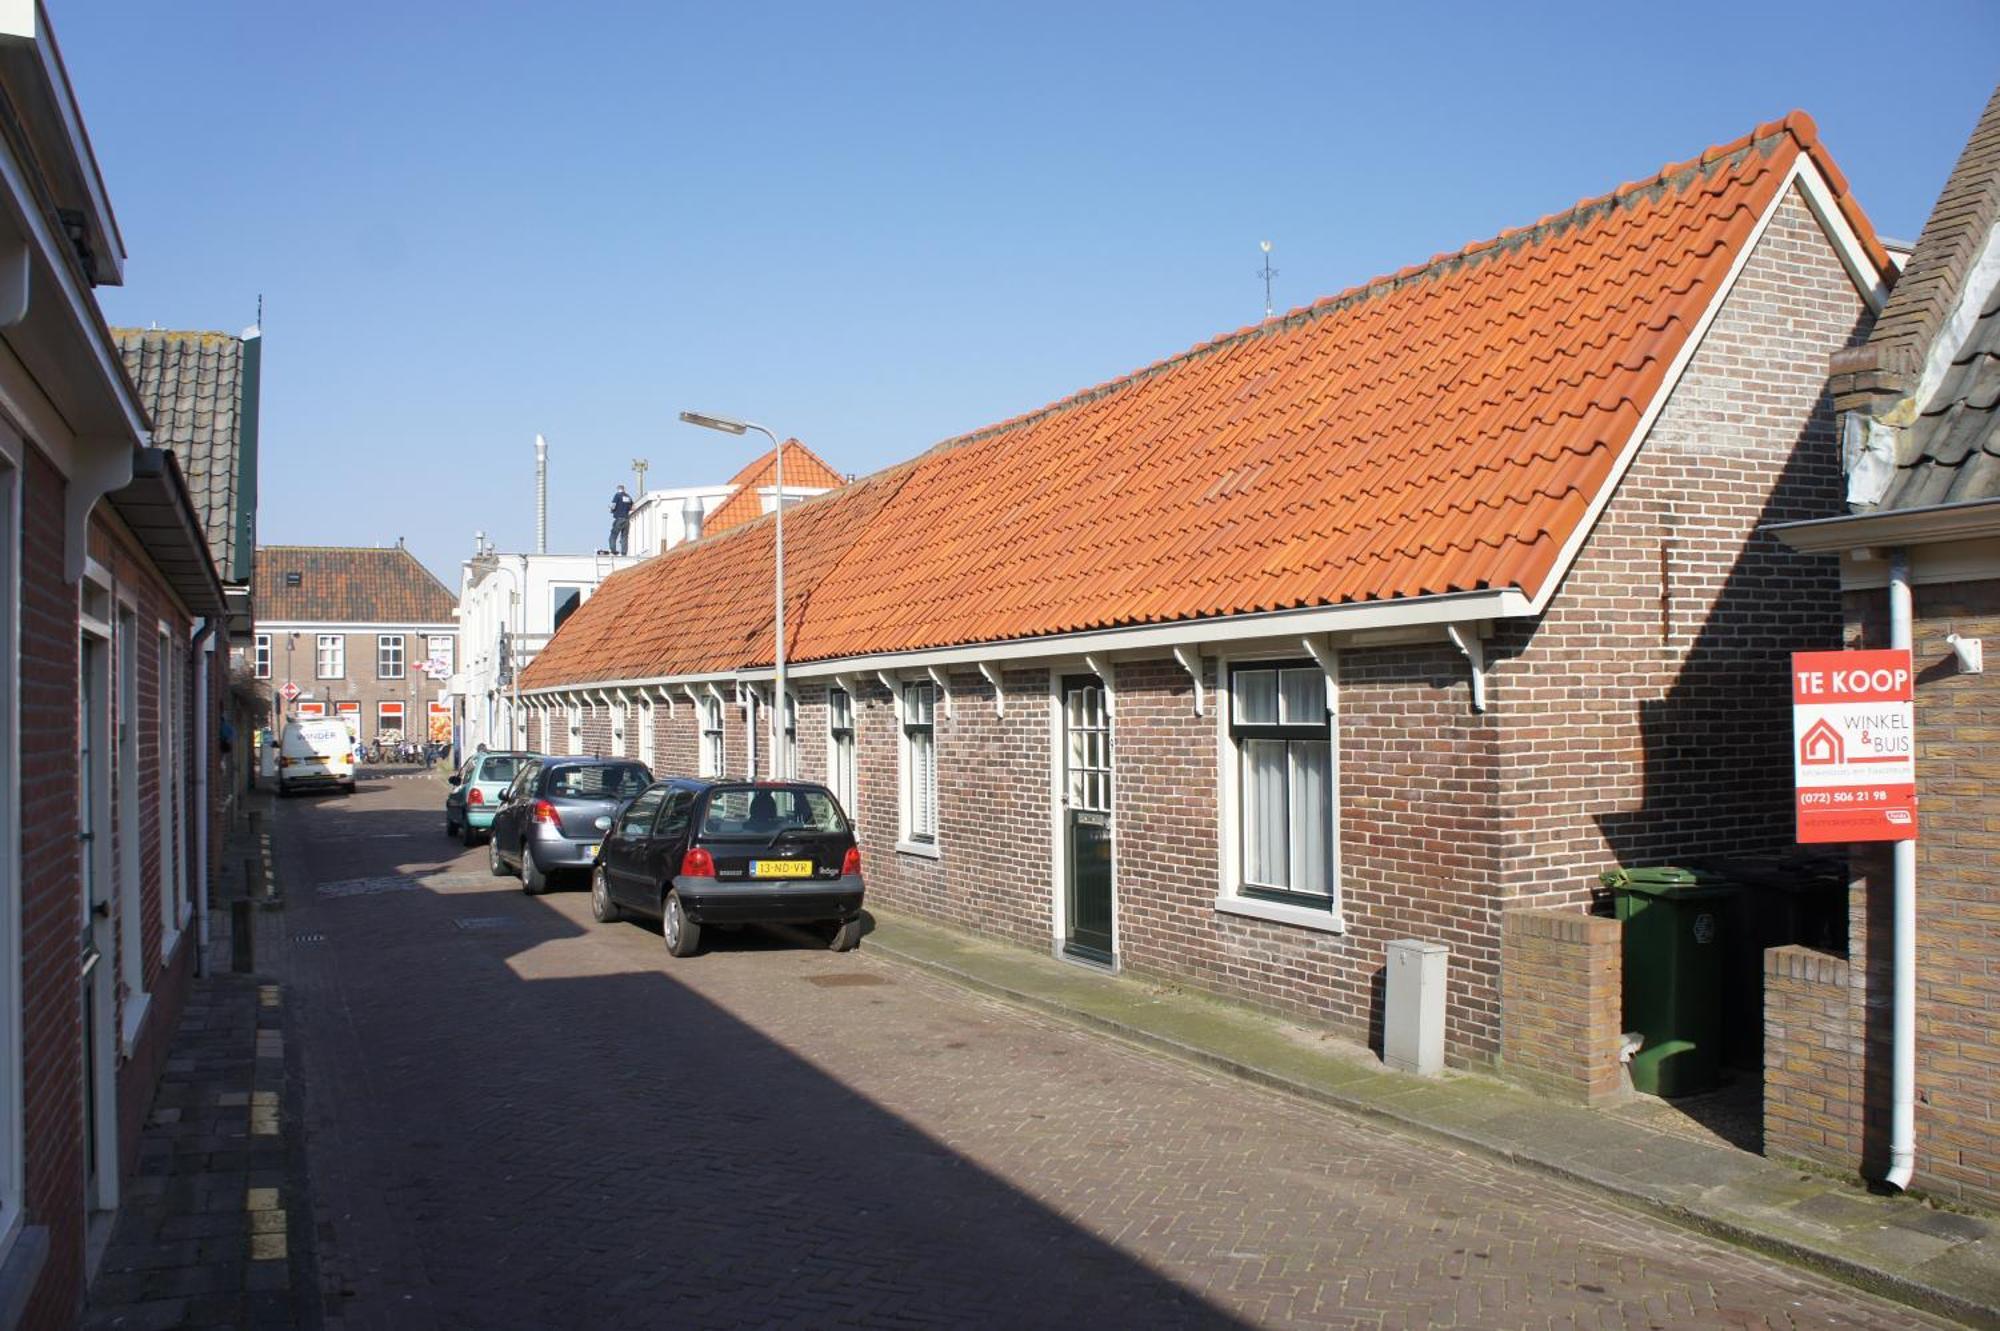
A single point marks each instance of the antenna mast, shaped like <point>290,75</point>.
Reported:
<point>1267,273</point>
<point>639,469</point>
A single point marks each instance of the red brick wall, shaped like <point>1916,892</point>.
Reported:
<point>1958,902</point>
<point>1646,716</point>
<point>993,873</point>
<point>51,1012</point>
<point>1561,1004</point>
<point>1812,1058</point>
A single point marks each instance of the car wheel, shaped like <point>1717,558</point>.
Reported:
<point>494,863</point>
<point>845,937</point>
<point>682,934</point>
<point>533,881</point>
<point>602,908</point>
<point>450,829</point>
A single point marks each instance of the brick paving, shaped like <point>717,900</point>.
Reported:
<point>203,1236</point>
<point>516,1117</point>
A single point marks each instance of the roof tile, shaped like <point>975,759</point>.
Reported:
<point>1442,429</point>
<point>340,584</point>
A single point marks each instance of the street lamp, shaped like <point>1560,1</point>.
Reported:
<point>781,759</point>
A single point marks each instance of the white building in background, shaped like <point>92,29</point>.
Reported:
<point>510,605</point>
<point>662,519</point>
<point>508,608</point>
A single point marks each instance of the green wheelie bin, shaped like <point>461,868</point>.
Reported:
<point>1675,953</point>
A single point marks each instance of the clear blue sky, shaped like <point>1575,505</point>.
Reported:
<point>872,226</point>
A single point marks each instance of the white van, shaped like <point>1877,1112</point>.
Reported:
<point>315,752</point>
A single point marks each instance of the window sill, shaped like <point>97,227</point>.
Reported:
<point>925,850</point>
<point>1326,921</point>
<point>135,1019</point>
<point>21,1259</point>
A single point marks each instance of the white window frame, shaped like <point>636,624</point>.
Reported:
<point>555,600</point>
<point>443,645</point>
<point>916,712</point>
<point>648,745</point>
<point>130,932</point>
<point>173,868</point>
<point>1232,898</point>
<point>330,647</point>
<point>260,656</point>
<point>573,729</point>
<point>402,713</point>
<point>840,751</point>
<point>714,747</point>
<point>391,656</point>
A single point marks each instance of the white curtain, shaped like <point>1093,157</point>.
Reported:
<point>1264,812</point>
<point>1311,817</point>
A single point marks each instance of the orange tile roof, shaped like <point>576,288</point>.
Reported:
<point>804,470</point>
<point>1439,430</point>
<point>705,607</point>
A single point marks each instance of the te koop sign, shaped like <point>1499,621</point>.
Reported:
<point>1854,745</point>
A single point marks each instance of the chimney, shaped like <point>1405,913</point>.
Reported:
<point>541,495</point>
<point>691,518</point>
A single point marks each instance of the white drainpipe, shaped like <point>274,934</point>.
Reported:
<point>204,648</point>
<point>1903,1038</point>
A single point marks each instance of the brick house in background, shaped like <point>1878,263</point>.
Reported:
<point>1921,404</point>
<point>109,606</point>
<point>353,627</point>
<point>1398,616</point>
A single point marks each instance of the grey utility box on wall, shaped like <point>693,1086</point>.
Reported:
<point>1413,1007</point>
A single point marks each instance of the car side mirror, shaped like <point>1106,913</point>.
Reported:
<point>453,779</point>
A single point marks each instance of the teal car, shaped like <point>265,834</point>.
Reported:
<point>475,793</point>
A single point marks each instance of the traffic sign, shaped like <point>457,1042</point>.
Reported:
<point>290,692</point>
<point>1854,746</point>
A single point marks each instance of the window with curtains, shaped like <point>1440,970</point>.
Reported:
<point>840,747</point>
<point>920,762</point>
<point>709,713</point>
<point>1282,731</point>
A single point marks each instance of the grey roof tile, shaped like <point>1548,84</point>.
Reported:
<point>1952,450</point>
<point>191,386</point>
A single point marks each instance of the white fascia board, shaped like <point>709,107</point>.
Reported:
<point>1966,520</point>
<point>1689,346</point>
<point>1854,256</point>
<point>24,22</point>
<point>1376,619</point>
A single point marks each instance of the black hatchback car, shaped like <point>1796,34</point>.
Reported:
<point>556,814</point>
<point>731,852</point>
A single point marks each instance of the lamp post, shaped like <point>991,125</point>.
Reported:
<point>781,751</point>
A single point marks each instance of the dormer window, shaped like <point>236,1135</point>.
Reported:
<point>294,578</point>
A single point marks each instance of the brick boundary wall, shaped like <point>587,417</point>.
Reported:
<point>1561,1004</point>
<point>1813,1053</point>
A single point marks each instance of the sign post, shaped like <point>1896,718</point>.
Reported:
<point>1854,746</point>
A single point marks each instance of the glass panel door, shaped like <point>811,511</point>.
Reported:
<point>1087,819</point>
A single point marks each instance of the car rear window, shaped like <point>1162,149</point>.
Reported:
<point>499,769</point>
<point>765,812</point>
<point>599,781</point>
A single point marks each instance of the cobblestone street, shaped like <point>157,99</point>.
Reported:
<point>518,1118</point>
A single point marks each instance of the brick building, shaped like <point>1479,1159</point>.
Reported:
<point>1400,615</point>
<point>110,609</point>
<point>354,627</point>
<point>1921,404</point>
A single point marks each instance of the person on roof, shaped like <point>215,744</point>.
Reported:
<point>621,519</point>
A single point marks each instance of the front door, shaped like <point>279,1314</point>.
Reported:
<point>1087,819</point>
<point>94,974</point>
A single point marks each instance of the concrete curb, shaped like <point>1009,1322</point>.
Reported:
<point>1902,1289</point>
